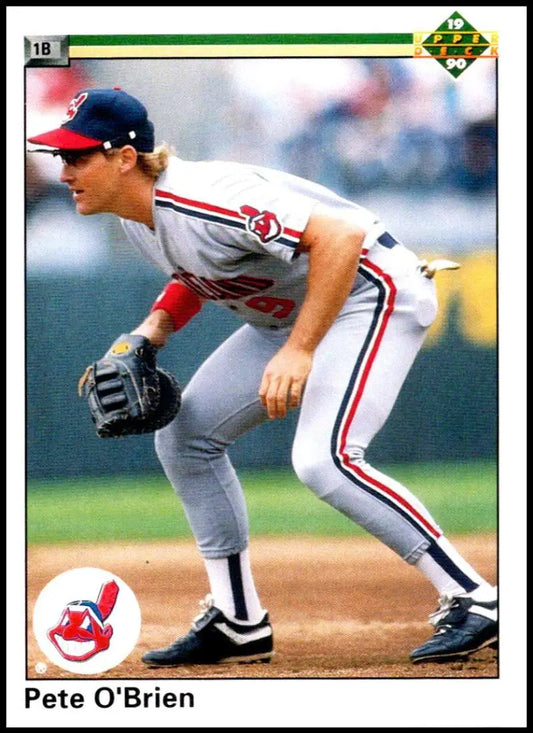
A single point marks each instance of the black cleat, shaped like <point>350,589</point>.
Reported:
<point>463,626</point>
<point>214,639</point>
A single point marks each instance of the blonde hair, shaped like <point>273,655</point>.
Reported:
<point>152,164</point>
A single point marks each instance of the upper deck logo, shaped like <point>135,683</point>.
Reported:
<point>92,633</point>
<point>455,44</point>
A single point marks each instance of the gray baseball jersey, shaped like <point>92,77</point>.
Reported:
<point>229,232</point>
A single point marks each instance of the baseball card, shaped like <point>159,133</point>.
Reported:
<point>266,399</point>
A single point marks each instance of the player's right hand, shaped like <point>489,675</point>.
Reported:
<point>284,380</point>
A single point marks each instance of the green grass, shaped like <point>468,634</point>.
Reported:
<point>461,497</point>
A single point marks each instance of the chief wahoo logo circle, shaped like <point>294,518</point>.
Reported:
<point>87,620</point>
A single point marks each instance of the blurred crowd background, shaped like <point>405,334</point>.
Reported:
<point>400,136</point>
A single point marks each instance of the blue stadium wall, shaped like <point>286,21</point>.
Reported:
<point>447,408</point>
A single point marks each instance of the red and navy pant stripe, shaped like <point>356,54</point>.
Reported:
<point>354,471</point>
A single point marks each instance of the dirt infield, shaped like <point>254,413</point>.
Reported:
<point>340,608</point>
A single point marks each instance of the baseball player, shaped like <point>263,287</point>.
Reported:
<point>334,310</point>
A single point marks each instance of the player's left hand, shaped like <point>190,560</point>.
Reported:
<point>284,379</point>
<point>127,392</point>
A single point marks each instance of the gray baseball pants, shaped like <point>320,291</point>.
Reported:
<point>358,371</point>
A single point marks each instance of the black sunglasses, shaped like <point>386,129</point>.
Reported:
<point>71,157</point>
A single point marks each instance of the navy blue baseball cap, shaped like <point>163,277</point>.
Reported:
<point>101,118</point>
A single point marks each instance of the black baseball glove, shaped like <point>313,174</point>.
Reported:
<point>127,392</point>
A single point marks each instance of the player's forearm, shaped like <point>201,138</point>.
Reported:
<point>333,261</point>
<point>333,247</point>
<point>156,327</point>
<point>173,308</point>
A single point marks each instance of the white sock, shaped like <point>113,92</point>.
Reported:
<point>233,588</point>
<point>444,583</point>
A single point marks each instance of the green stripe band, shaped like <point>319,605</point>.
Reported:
<point>242,39</point>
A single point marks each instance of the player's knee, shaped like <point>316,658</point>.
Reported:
<point>180,443</point>
<point>320,470</point>
<point>164,443</point>
<point>311,468</point>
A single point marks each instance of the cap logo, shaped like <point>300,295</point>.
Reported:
<point>72,109</point>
